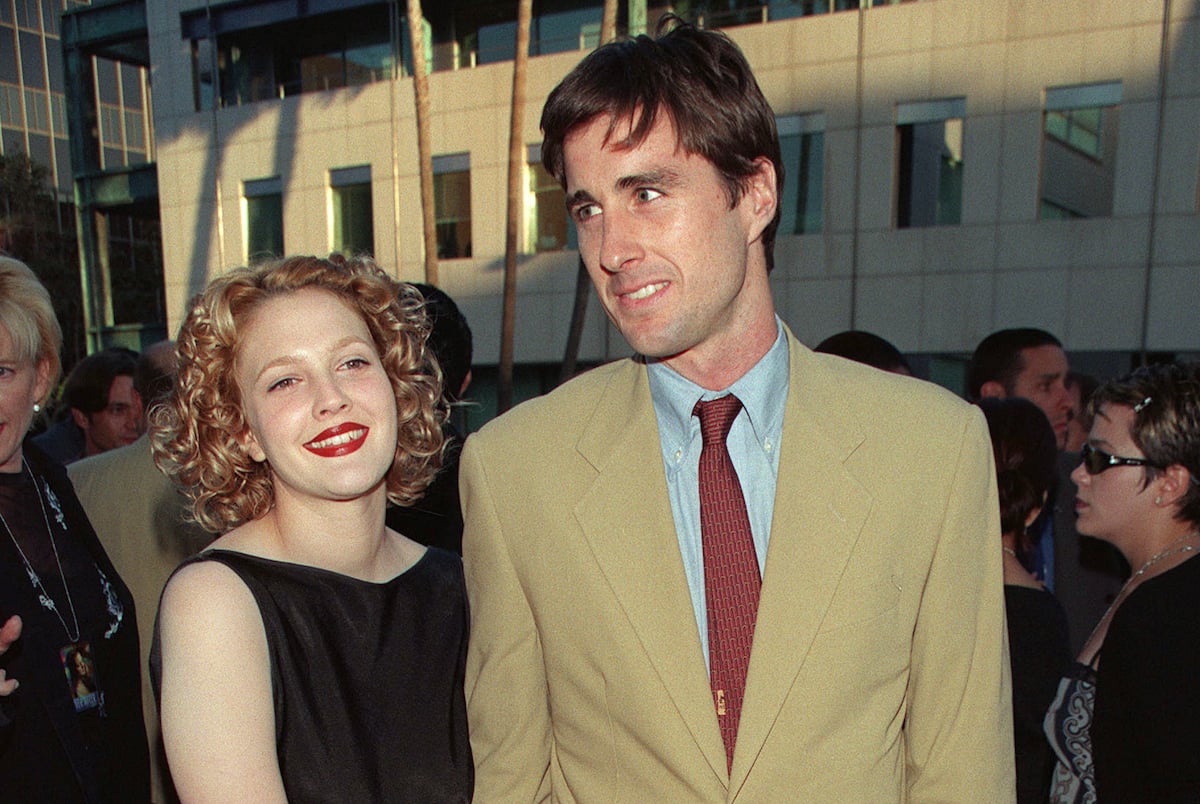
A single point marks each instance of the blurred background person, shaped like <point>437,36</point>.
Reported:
<point>1026,453</point>
<point>868,348</point>
<point>71,724</point>
<point>1139,489</point>
<point>436,519</point>
<point>311,653</point>
<point>100,408</point>
<point>142,522</point>
<point>1085,574</point>
<point>1081,387</point>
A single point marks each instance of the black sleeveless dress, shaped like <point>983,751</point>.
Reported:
<point>367,679</point>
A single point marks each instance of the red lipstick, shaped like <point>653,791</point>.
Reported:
<point>341,439</point>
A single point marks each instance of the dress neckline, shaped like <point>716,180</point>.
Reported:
<point>309,568</point>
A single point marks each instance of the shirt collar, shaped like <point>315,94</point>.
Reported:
<point>762,390</point>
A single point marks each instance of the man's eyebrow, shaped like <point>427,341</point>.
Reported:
<point>579,197</point>
<point>656,178</point>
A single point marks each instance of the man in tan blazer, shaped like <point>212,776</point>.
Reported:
<point>878,669</point>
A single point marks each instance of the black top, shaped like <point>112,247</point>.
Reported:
<point>1038,649</point>
<point>1147,725</point>
<point>73,730</point>
<point>367,679</point>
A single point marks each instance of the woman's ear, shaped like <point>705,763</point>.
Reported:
<point>41,382</point>
<point>1173,483</point>
<point>250,444</point>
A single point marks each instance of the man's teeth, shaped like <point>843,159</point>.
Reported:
<point>646,292</point>
<point>338,440</point>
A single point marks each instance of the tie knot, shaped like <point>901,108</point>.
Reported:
<point>716,417</point>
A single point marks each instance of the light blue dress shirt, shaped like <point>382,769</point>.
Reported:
<point>753,446</point>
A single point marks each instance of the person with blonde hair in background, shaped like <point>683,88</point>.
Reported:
<point>70,695</point>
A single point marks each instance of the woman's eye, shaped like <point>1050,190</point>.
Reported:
<point>286,382</point>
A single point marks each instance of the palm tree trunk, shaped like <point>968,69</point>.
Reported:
<point>516,161</point>
<point>416,38</point>
<point>608,32</point>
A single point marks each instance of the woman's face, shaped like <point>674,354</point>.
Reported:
<point>1113,504</point>
<point>21,385</point>
<point>318,404</point>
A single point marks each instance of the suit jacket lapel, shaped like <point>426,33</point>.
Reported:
<point>627,520</point>
<point>819,511</point>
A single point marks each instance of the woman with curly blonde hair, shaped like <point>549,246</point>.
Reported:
<point>310,652</point>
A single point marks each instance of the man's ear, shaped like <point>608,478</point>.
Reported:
<point>81,419</point>
<point>760,196</point>
<point>992,390</point>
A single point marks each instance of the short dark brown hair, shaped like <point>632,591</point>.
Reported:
<point>1165,399</point>
<point>699,79</point>
<point>999,358</point>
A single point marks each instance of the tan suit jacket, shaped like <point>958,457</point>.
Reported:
<point>879,670</point>
<point>138,515</point>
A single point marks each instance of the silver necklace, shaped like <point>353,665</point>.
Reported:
<point>44,596</point>
<point>1166,552</point>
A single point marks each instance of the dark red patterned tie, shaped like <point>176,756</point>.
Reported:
<point>731,577</point>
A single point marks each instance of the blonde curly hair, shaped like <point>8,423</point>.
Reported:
<point>197,434</point>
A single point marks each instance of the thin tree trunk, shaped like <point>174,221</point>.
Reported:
<point>608,32</point>
<point>516,161</point>
<point>416,38</point>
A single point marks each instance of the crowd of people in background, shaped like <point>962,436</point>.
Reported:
<point>232,563</point>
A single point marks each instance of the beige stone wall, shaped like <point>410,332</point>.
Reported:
<point>936,289</point>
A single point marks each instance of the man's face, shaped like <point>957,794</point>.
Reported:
<point>1043,381</point>
<point>680,272</point>
<point>116,425</point>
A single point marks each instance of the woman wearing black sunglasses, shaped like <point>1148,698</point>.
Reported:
<point>1139,490</point>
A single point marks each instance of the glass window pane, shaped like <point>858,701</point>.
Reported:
<point>546,223</point>
<point>929,178</point>
<point>452,203</point>
<point>264,226</point>
<point>353,221</point>
<point>803,192</point>
<point>1078,152</point>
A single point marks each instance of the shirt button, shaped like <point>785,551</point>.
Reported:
<point>678,455</point>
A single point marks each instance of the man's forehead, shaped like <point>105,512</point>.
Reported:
<point>1044,361</point>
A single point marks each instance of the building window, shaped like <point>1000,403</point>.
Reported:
<point>452,205</point>
<point>802,141</point>
<point>264,218</point>
<point>286,56</point>
<point>353,220</point>
<point>547,226</point>
<point>929,159</point>
<point>1079,146</point>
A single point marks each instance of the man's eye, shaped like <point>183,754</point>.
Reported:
<point>585,211</point>
<point>647,194</point>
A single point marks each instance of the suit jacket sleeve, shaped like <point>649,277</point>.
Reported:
<point>959,718</point>
<point>507,699</point>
